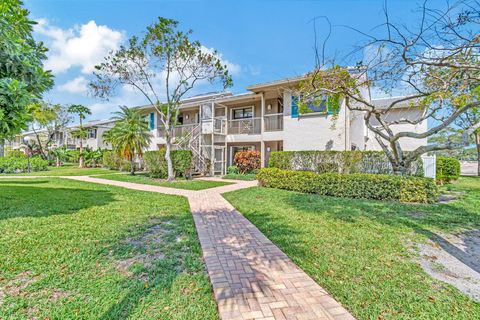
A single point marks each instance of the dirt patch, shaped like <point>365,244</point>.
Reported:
<point>58,294</point>
<point>146,248</point>
<point>454,259</point>
<point>16,286</point>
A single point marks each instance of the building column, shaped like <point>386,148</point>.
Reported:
<point>262,121</point>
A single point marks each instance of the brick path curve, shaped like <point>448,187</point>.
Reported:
<point>251,277</point>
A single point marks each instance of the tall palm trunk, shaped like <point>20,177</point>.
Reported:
<point>132,166</point>
<point>81,160</point>
<point>2,147</point>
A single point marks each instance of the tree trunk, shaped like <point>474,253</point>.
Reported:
<point>477,142</point>
<point>81,159</point>
<point>168,158</point>
<point>2,147</point>
<point>58,163</point>
<point>132,166</point>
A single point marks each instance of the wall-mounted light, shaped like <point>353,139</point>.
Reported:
<point>268,149</point>
<point>269,107</point>
<point>186,117</point>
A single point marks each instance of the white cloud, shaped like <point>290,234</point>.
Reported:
<point>81,46</point>
<point>233,68</point>
<point>77,85</point>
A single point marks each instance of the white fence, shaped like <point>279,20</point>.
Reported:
<point>429,166</point>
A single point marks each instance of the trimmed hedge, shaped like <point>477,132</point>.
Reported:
<point>19,165</point>
<point>356,185</point>
<point>156,164</point>
<point>448,169</point>
<point>338,162</point>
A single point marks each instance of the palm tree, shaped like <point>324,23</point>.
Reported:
<point>81,133</point>
<point>129,136</point>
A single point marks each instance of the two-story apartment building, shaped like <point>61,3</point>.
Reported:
<point>216,126</point>
<point>94,140</point>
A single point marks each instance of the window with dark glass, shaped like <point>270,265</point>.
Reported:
<point>92,133</point>
<point>243,113</point>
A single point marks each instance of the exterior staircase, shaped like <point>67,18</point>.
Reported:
<point>192,141</point>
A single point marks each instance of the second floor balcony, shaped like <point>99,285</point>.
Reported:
<point>248,126</point>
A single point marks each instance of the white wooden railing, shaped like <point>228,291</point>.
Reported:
<point>245,126</point>
<point>273,122</point>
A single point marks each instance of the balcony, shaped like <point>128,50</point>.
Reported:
<point>273,122</point>
<point>245,126</point>
<point>178,131</point>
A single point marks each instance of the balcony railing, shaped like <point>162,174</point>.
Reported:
<point>273,122</point>
<point>245,126</point>
<point>178,131</point>
<point>220,125</point>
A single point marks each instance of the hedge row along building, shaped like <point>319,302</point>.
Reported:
<point>216,126</point>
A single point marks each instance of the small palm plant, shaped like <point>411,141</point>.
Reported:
<point>129,136</point>
<point>59,153</point>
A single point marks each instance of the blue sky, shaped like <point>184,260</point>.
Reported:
<point>259,40</point>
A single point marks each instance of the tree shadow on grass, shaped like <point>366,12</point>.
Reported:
<point>153,257</point>
<point>21,182</point>
<point>29,199</point>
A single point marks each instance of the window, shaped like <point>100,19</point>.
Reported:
<point>318,105</point>
<point>243,113</point>
<point>151,121</point>
<point>92,133</point>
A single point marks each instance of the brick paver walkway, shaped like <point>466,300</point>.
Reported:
<point>251,277</point>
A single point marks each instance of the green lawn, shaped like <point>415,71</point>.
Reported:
<point>196,184</point>
<point>239,176</point>
<point>66,170</point>
<point>74,250</point>
<point>358,249</point>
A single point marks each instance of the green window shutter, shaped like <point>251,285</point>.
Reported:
<point>294,107</point>
<point>152,121</point>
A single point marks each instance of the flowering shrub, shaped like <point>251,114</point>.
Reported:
<point>247,161</point>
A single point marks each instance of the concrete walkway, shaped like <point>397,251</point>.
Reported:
<point>251,277</point>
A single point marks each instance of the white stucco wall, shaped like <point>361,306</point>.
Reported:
<point>314,132</point>
<point>407,144</point>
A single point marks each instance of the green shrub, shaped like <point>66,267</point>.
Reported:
<point>233,170</point>
<point>113,161</point>
<point>156,164</point>
<point>182,163</point>
<point>356,185</point>
<point>448,169</point>
<point>247,161</point>
<point>15,154</point>
<point>338,162</point>
<point>73,156</point>
<point>19,165</point>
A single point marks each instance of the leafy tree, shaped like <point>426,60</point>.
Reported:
<point>468,120</point>
<point>129,136</point>
<point>49,121</point>
<point>81,133</point>
<point>164,51</point>
<point>438,65</point>
<point>22,77</point>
